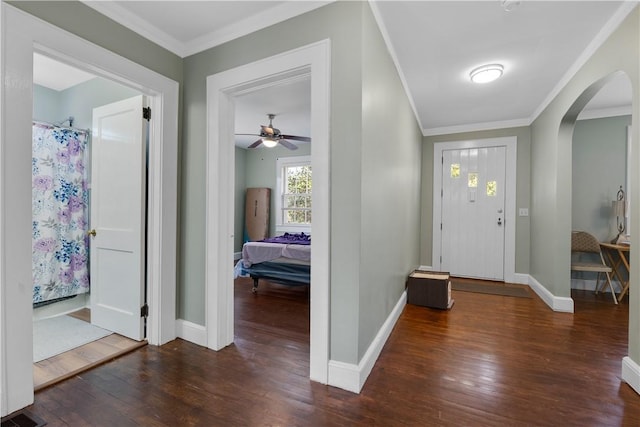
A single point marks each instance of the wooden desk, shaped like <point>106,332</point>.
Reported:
<point>617,258</point>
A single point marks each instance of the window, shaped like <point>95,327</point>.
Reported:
<point>293,204</point>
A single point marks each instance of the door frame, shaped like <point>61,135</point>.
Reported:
<point>21,35</point>
<point>510,143</point>
<point>313,60</point>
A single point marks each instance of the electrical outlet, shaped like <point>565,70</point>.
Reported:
<point>523,212</point>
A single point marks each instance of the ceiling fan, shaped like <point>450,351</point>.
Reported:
<point>270,136</point>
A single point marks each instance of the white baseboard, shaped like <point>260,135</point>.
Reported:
<point>562,304</point>
<point>631,373</point>
<point>521,279</point>
<point>352,377</point>
<point>237,256</point>
<point>191,332</point>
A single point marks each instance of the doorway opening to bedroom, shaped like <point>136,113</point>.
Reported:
<point>223,89</point>
<point>72,112</point>
<point>273,218</point>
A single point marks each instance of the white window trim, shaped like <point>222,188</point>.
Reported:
<point>282,162</point>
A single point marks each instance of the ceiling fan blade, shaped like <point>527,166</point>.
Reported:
<point>255,144</point>
<point>297,138</point>
<point>288,145</point>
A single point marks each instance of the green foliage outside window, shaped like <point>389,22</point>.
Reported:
<point>297,195</point>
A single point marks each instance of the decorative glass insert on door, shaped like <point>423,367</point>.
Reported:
<point>455,170</point>
<point>492,188</point>
<point>473,180</point>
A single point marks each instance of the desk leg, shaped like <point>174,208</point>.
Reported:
<point>625,284</point>
<point>614,268</point>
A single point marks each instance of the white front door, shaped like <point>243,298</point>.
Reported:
<point>473,212</point>
<point>118,181</point>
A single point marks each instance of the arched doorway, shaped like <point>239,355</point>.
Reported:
<point>596,92</point>
<point>600,145</point>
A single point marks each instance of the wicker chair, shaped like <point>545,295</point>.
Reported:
<point>583,242</point>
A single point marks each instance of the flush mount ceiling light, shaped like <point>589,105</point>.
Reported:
<point>509,5</point>
<point>486,73</point>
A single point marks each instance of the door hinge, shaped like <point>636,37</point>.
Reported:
<point>144,311</point>
<point>441,259</point>
<point>440,226</point>
<point>146,113</point>
<point>441,193</point>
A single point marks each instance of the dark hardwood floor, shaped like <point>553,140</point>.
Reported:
<point>489,361</point>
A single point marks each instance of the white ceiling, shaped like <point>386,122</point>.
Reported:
<point>434,45</point>
<point>56,75</point>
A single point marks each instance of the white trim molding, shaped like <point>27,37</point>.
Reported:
<point>191,332</point>
<point>352,377</point>
<point>311,60</point>
<point>521,279</point>
<point>560,304</point>
<point>222,34</point>
<point>631,373</point>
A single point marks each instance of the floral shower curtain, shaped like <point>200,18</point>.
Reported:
<point>60,212</point>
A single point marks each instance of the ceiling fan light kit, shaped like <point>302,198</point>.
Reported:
<point>269,142</point>
<point>486,73</point>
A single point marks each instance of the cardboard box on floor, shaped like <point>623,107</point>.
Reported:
<point>429,289</point>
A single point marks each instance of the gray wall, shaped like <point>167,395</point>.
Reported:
<point>390,186</point>
<point>80,100</point>
<point>339,22</point>
<point>551,158</point>
<point>523,185</point>
<point>344,23</point>
<point>240,187</point>
<point>46,104</point>
<point>599,159</point>
<point>77,101</point>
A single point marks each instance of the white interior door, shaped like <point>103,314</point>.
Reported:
<point>473,212</point>
<point>118,179</point>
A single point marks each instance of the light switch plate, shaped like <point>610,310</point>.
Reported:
<point>523,212</point>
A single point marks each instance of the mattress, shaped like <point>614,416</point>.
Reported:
<point>257,252</point>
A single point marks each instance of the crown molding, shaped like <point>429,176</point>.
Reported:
<point>475,127</point>
<point>387,40</point>
<point>602,113</point>
<point>253,23</point>
<point>136,24</point>
<point>625,8</point>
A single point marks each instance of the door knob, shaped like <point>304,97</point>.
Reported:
<point>92,232</point>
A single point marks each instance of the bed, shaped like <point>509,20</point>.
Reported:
<point>283,259</point>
